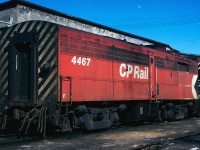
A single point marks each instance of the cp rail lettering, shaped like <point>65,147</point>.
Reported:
<point>134,71</point>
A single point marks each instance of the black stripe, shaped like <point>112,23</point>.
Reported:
<point>25,27</point>
<point>4,60</point>
<point>28,26</point>
<point>20,27</point>
<point>53,35</point>
<point>6,38</point>
<point>46,32</point>
<point>41,28</point>
<point>3,93</point>
<point>4,90</point>
<point>53,92</point>
<point>4,71</point>
<point>47,77</point>
<point>54,79</point>
<point>46,55</point>
<point>40,32</point>
<point>2,33</point>
<point>36,25</point>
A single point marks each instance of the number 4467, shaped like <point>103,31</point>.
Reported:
<point>81,61</point>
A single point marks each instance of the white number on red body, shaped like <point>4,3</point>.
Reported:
<point>81,61</point>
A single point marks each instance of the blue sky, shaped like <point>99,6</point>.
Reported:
<point>174,22</point>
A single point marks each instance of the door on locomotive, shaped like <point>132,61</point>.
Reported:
<point>153,80</point>
<point>22,68</point>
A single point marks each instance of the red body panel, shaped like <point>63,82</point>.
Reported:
<point>92,82</point>
<point>97,74</point>
<point>174,85</point>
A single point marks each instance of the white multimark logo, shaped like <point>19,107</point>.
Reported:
<point>126,70</point>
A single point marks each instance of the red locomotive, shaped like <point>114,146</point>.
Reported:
<point>69,78</point>
<point>54,75</point>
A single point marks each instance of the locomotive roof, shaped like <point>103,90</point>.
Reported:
<point>191,56</point>
<point>14,3</point>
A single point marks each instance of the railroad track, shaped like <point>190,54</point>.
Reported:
<point>157,144</point>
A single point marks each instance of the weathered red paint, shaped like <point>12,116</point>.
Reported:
<point>99,79</point>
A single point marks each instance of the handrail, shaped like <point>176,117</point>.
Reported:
<point>70,88</point>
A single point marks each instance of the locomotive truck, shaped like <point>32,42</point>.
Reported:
<point>64,78</point>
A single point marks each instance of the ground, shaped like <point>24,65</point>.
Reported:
<point>129,137</point>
